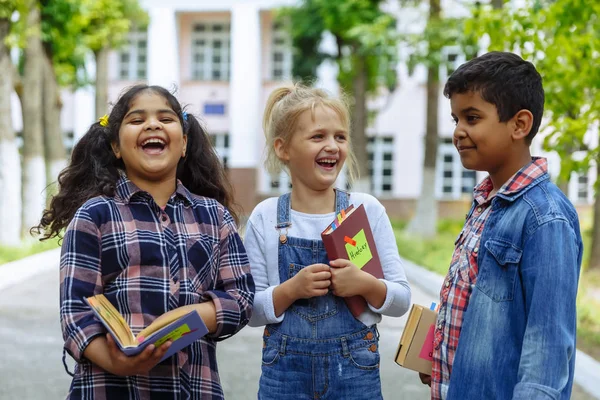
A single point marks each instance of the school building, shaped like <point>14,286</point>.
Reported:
<point>225,57</point>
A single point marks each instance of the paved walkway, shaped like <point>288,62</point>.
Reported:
<point>31,343</point>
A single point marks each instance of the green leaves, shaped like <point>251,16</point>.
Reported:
<point>561,38</point>
<point>361,29</point>
<point>71,29</point>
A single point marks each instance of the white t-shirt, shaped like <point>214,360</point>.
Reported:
<point>261,241</point>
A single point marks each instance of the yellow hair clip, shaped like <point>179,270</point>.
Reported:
<point>104,120</point>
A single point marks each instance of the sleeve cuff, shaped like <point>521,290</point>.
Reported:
<point>228,317</point>
<point>79,340</point>
<point>531,391</point>
<point>270,308</point>
<point>389,299</point>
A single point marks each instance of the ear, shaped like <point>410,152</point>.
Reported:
<point>115,149</point>
<point>523,121</point>
<point>281,150</point>
<point>184,146</point>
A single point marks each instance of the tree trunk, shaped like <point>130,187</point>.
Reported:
<point>34,171</point>
<point>563,185</point>
<point>424,222</point>
<point>10,162</point>
<point>594,262</point>
<point>359,126</point>
<point>53,138</point>
<point>497,4</point>
<point>101,82</point>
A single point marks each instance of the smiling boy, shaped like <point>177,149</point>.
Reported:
<point>507,320</point>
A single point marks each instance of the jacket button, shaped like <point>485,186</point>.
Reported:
<point>373,347</point>
<point>368,336</point>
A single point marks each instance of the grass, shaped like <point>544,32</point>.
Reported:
<point>435,254</point>
<point>8,254</point>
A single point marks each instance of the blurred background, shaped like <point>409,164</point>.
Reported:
<point>63,62</point>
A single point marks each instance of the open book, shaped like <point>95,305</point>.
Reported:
<point>350,237</point>
<point>181,328</point>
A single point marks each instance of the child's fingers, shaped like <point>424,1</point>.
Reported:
<point>318,268</point>
<point>425,379</point>
<point>340,263</point>
<point>322,284</point>
<point>320,276</point>
<point>162,350</point>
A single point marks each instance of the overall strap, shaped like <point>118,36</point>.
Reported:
<point>283,211</point>
<point>283,216</point>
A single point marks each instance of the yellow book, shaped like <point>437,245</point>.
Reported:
<point>415,349</point>
<point>182,327</point>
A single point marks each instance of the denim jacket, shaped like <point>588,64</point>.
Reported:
<point>518,334</point>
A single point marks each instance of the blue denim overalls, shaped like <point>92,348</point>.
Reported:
<point>319,350</point>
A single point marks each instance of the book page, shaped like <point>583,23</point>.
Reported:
<point>163,321</point>
<point>114,319</point>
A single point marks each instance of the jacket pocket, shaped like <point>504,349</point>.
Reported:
<point>498,270</point>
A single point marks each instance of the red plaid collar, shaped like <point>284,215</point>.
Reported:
<point>519,181</point>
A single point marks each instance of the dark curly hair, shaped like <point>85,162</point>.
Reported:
<point>94,168</point>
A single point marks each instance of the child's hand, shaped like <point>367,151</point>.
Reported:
<point>347,279</point>
<point>312,281</point>
<point>425,379</point>
<point>124,365</point>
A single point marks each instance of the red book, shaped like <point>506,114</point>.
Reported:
<point>350,237</point>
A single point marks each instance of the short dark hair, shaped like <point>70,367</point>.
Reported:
<point>505,80</point>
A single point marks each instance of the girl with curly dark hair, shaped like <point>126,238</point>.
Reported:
<point>146,206</point>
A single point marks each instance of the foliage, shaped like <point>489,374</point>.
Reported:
<point>72,28</point>
<point>427,47</point>
<point>361,29</point>
<point>107,22</point>
<point>561,38</point>
<point>7,8</point>
<point>8,254</point>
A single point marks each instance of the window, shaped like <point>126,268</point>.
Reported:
<point>280,183</point>
<point>582,187</point>
<point>220,142</point>
<point>281,61</point>
<point>210,51</point>
<point>380,151</point>
<point>452,58</point>
<point>133,57</point>
<point>453,181</point>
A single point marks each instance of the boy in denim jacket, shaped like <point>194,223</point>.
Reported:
<point>510,291</point>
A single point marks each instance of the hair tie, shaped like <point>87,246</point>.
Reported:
<point>185,116</point>
<point>103,120</point>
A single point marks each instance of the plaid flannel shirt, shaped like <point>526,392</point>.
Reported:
<point>462,274</point>
<point>147,261</point>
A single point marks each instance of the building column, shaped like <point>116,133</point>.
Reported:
<point>163,48</point>
<point>245,95</point>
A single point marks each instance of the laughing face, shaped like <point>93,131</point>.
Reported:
<point>151,139</point>
<point>317,150</point>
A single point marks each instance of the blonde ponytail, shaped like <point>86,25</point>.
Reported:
<point>285,105</point>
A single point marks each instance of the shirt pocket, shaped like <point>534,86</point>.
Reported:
<point>202,267</point>
<point>498,270</point>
